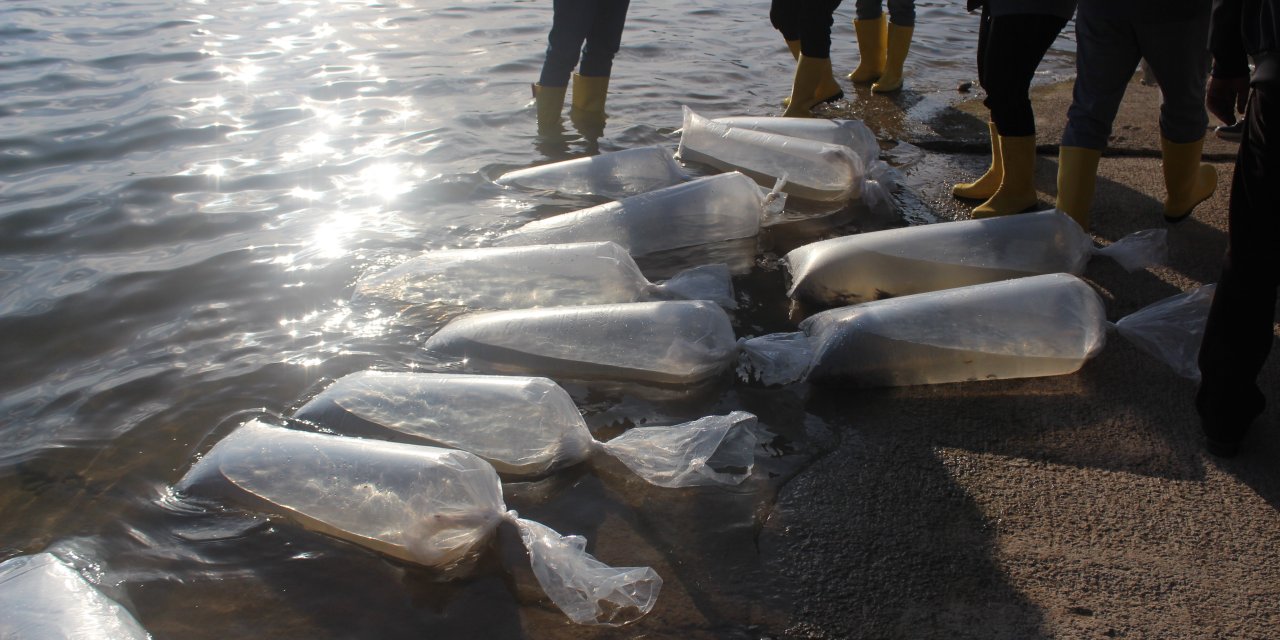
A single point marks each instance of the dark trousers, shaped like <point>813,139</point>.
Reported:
<point>586,29</point>
<point>808,21</point>
<point>1010,47</point>
<point>1238,334</point>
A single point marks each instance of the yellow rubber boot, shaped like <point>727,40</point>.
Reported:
<point>1017,191</point>
<point>986,186</point>
<point>589,93</point>
<point>898,42</point>
<point>809,74</point>
<point>1187,181</point>
<point>871,39</point>
<point>1077,176</point>
<point>549,102</point>
<point>828,90</point>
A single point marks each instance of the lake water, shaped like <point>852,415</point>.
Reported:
<point>189,191</point>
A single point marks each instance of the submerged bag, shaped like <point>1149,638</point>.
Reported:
<point>677,342</point>
<point>530,426</point>
<point>806,168</point>
<point>702,211</point>
<point>614,175</point>
<point>538,276</point>
<point>422,504</point>
<point>41,597</point>
<point>945,255</point>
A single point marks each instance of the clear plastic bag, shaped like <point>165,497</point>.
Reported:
<point>422,504</point>
<point>1172,329</point>
<point>41,597</point>
<point>702,211</point>
<point>897,262</point>
<point>849,133</point>
<point>677,342</point>
<point>808,169</point>
<point>614,175</point>
<point>530,426</point>
<point>1027,327</point>
<point>537,276</point>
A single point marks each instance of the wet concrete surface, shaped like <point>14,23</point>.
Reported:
<point>1077,506</point>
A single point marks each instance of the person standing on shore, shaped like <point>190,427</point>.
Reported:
<point>1111,38</point>
<point>590,30</point>
<point>882,44</point>
<point>808,21</point>
<point>1238,334</point>
<point>786,17</point>
<point>1013,37</point>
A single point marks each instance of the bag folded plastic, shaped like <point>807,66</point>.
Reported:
<point>527,426</point>
<point>538,276</point>
<point>422,504</point>
<point>945,255</point>
<point>808,169</point>
<point>675,342</point>
<point>1036,326</point>
<point>613,175</point>
<point>41,597</point>
<point>1171,329</point>
<point>706,210</point>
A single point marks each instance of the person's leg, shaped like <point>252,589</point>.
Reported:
<point>985,186</point>
<point>902,20</point>
<point>1179,58</point>
<point>570,24</point>
<point>1238,334</point>
<point>813,69</point>
<point>785,17</point>
<point>1015,47</point>
<point>604,38</point>
<point>1106,54</point>
<point>871,28</point>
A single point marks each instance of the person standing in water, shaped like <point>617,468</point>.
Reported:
<point>1111,38</point>
<point>589,31</point>
<point>1239,332</point>
<point>882,44</point>
<point>1013,37</point>
<point>808,22</point>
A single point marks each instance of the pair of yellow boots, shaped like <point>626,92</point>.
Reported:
<point>1008,186</point>
<point>882,48</point>
<point>589,94</point>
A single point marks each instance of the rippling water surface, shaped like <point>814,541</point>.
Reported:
<point>190,189</point>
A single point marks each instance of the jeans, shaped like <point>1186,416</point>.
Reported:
<point>586,29</point>
<point>901,12</point>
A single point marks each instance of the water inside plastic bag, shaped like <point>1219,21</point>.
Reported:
<point>706,210</point>
<point>810,170</point>
<point>422,504</point>
<point>613,175</point>
<point>42,598</point>
<point>675,342</point>
<point>536,276</point>
<point>945,255</point>
<point>527,426</point>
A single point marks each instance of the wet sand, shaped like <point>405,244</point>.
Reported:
<point>1077,506</point>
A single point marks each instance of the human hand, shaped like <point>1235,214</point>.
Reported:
<point>1226,97</point>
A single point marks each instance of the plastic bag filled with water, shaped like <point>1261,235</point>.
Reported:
<point>537,276</point>
<point>528,426</point>
<point>703,211</point>
<point>422,504</point>
<point>613,175</point>
<point>41,597</point>
<point>1035,326</point>
<point>676,342</point>
<point>849,133</point>
<point>808,169</point>
<point>945,255</point>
